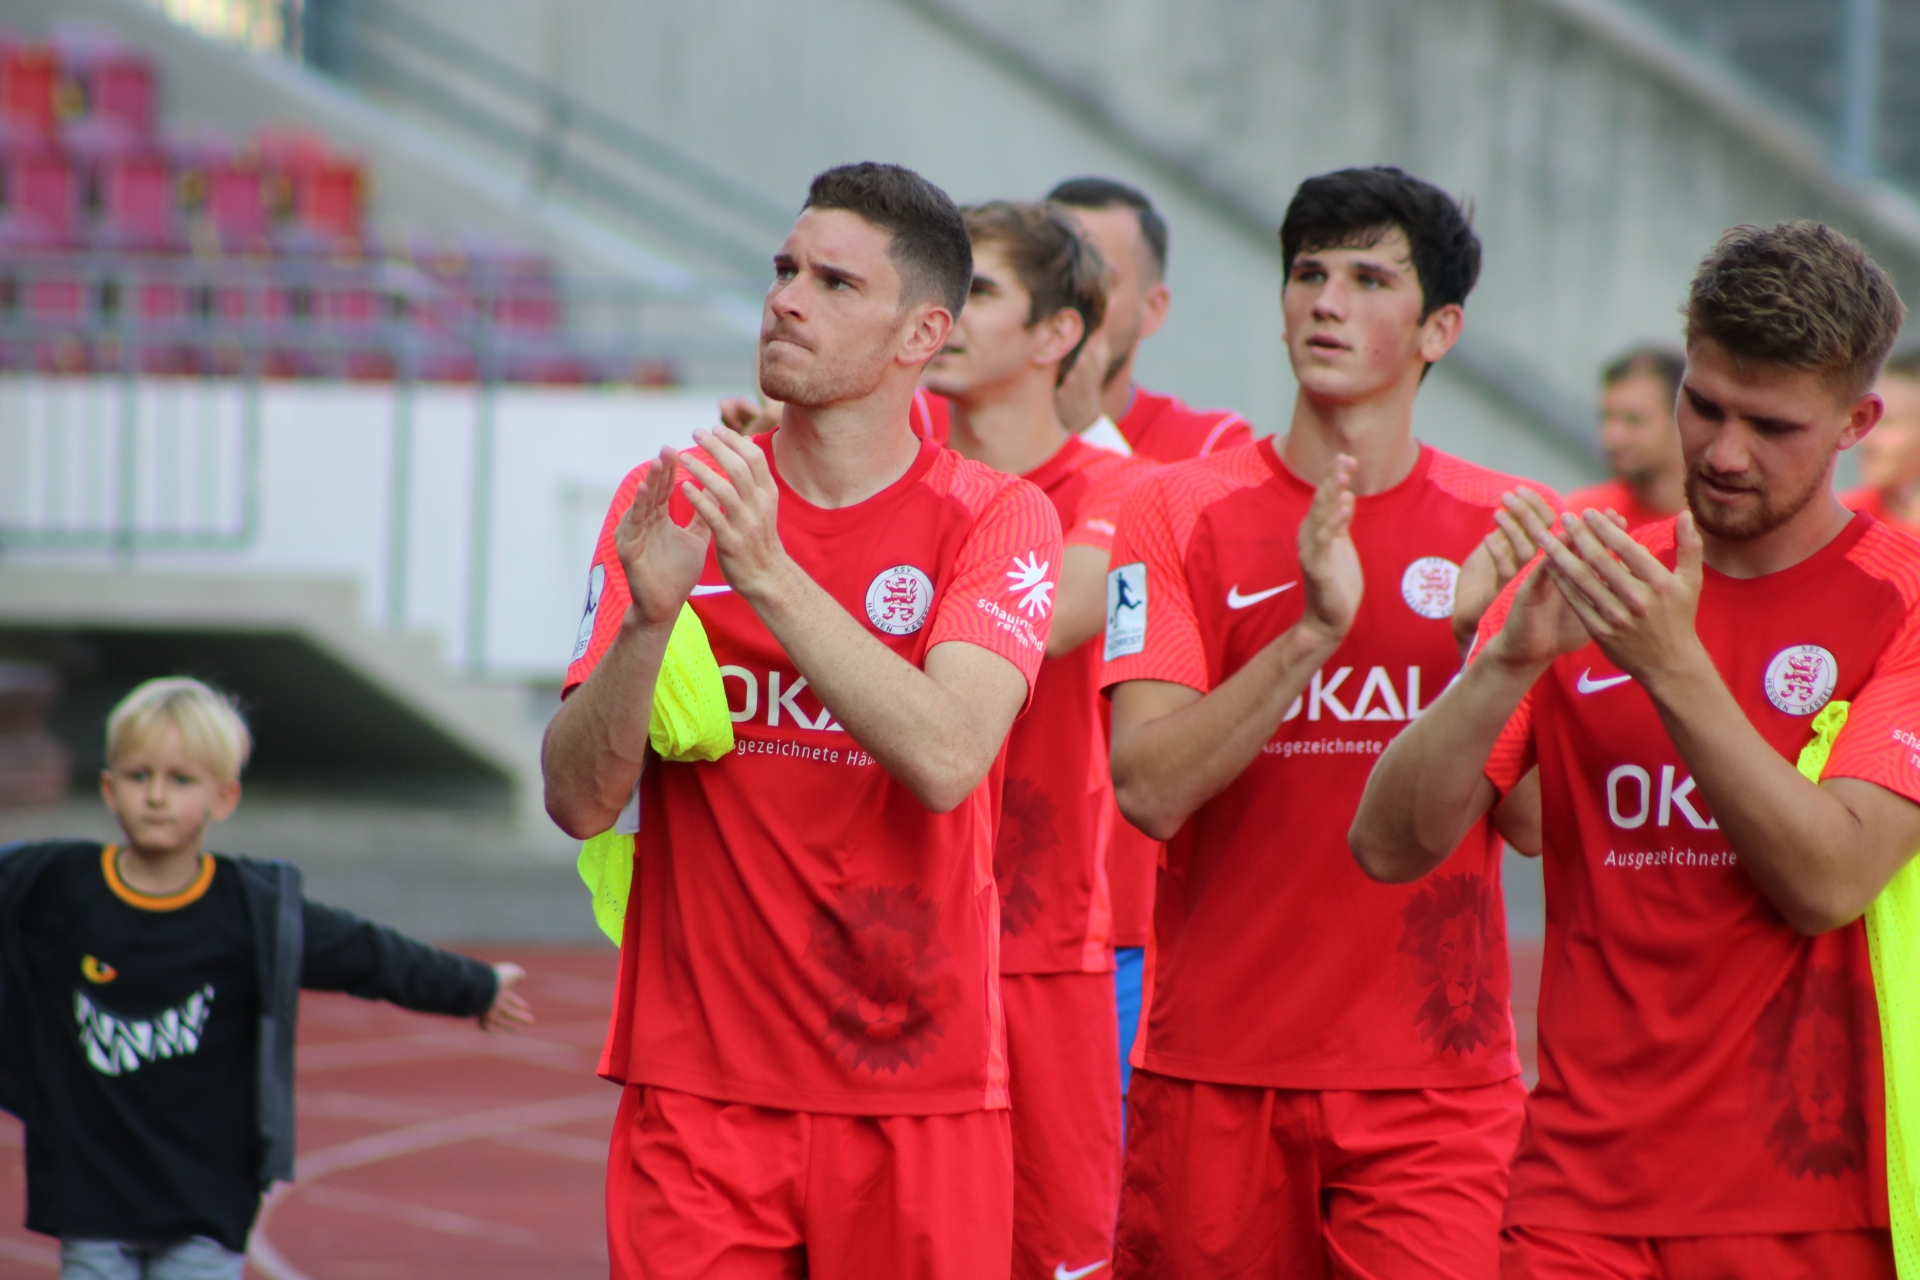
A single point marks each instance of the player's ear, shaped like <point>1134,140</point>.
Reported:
<point>1153,308</point>
<point>226,800</point>
<point>1059,333</point>
<point>1439,331</point>
<point>1862,416</point>
<point>925,332</point>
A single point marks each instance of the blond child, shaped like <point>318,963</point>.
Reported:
<point>148,994</point>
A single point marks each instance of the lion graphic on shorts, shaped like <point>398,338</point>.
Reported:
<point>882,944</point>
<point>1462,1006</point>
<point>1805,1066</point>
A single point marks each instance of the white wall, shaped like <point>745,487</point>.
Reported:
<point>325,477</point>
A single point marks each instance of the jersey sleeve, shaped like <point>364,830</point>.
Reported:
<point>1881,741</point>
<point>1000,593</point>
<point>1153,632</point>
<point>1513,752</point>
<point>1230,432</point>
<point>607,597</point>
<point>1099,513</point>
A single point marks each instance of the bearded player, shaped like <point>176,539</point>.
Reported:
<point>808,1022</point>
<point>1038,291</point>
<point>1637,391</point>
<point>1710,1096</point>
<point>1890,456</point>
<point>1277,613</point>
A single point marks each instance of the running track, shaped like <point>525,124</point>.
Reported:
<point>430,1150</point>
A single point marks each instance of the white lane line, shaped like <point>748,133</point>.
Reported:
<point>32,1254</point>
<point>418,1215</point>
<point>425,1136</point>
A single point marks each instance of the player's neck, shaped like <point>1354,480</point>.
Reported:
<point>1665,493</point>
<point>1902,502</point>
<point>1800,538</point>
<point>1117,396</point>
<point>158,873</point>
<point>1376,432</point>
<point>1013,431</point>
<point>842,454</point>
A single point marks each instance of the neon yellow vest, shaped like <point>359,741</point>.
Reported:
<point>690,722</point>
<point>1893,941</point>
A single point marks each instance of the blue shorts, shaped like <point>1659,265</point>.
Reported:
<point>1129,964</point>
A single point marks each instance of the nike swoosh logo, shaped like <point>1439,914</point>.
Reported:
<point>1237,601</point>
<point>1060,1271</point>
<point>1587,684</point>
<point>704,590</point>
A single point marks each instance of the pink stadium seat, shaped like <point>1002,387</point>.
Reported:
<point>28,74</point>
<point>38,196</point>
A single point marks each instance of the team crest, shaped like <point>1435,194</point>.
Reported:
<point>898,600</point>
<point>1800,679</point>
<point>1427,586</point>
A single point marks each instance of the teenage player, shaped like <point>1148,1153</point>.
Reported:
<point>1038,291</point>
<point>1710,1095</point>
<point>1276,614</point>
<point>1637,431</point>
<point>808,1020</point>
<point>1890,456</point>
<point>1132,236</point>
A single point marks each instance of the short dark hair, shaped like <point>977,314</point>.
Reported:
<point>1058,267</point>
<point>1105,193</point>
<point>930,247</point>
<point>1800,295</point>
<point>1669,364</point>
<point>1357,208</point>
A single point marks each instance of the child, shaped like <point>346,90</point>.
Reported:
<point>148,993</point>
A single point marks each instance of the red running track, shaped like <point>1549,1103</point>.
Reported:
<point>430,1150</point>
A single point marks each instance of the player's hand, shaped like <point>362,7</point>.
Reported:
<point>1329,563</point>
<point>1638,611</point>
<point>1542,625</point>
<point>751,417</point>
<point>509,1010</point>
<point>741,504</point>
<point>662,561</point>
<point>1494,563</point>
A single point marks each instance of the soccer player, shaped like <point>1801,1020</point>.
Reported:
<point>1710,1096</point>
<point>1325,1076</point>
<point>1038,291</point>
<point>808,1019</point>
<point>1132,236</point>
<point>1890,455</point>
<point>1637,392</point>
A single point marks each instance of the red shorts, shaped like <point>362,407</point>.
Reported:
<point>725,1191</point>
<point>1548,1253</point>
<point>1064,1074</point>
<point>1226,1180</point>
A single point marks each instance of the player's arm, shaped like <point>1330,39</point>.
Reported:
<point>1080,605</point>
<point>1430,785</point>
<point>1820,853</point>
<point>935,730</point>
<point>1175,748</point>
<point>596,744</point>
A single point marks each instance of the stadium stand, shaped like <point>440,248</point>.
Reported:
<point>129,249</point>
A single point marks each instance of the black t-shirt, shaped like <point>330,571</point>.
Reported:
<point>145,1032</point>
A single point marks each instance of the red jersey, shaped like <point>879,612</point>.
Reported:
<point>1165,430</point>
<point>802,933</point>
<point>1874,504</point>
<point>1705,1069</point>
<point>1613,495</point>
<point>1274,961</point>
<point>1057,809</point>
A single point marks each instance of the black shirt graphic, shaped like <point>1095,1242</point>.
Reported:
<point>145,1025</point>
